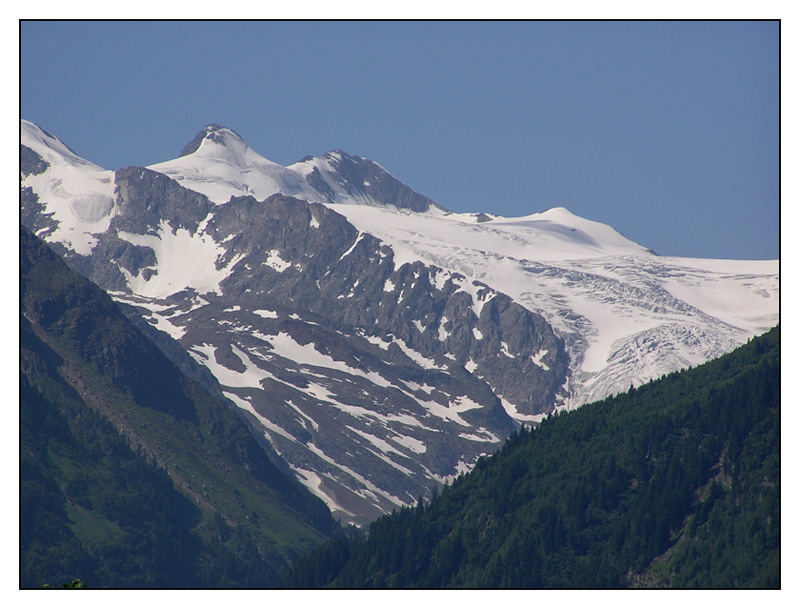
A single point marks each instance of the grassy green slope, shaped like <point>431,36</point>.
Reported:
<point>132,474</point>
<point>676,483</point>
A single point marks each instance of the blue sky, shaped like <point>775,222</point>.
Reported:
<point>668,131</point>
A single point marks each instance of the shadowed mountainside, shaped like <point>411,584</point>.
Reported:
<point>133,475</point>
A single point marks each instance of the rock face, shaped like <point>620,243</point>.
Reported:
<point>30,163</point>
<point>32,211</point>
<point>357,177</point>
<point>375,380</point>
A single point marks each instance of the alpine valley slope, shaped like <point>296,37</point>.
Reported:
<point>380,342</point>
<point>132,475</point>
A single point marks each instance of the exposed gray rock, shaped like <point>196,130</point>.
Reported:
<point>34,215</point>
<point>319,184</point>
<point>33,212</point>
<point>30,163</point>
<point>145,198</point>
<point>358,175</point>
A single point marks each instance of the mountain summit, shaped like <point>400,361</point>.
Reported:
<point>218,163</point>
<point>339,177</point>
<point>222,136</point>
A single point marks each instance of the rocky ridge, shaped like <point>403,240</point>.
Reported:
<point>375,380</point>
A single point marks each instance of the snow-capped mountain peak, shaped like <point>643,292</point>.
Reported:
<point>214,134</point>
<point>339,177</point>
<point>50,148</point>
<point>215,144</point>
<point>569,235</point>
<point>219,164</point>
<point>599,231</point>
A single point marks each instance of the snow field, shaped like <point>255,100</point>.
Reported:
<point>183,260</point>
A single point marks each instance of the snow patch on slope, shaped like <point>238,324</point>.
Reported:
<point>183,260</point>
<point>285,346</point>
<point>314,483</point>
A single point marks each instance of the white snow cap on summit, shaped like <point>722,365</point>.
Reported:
<point>50,148</point>
<point>220,142</point>
<point>564,231</point>
<point>219,164</point>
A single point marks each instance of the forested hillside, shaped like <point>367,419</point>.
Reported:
<point>131,474</point>
<point>673,484</point>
